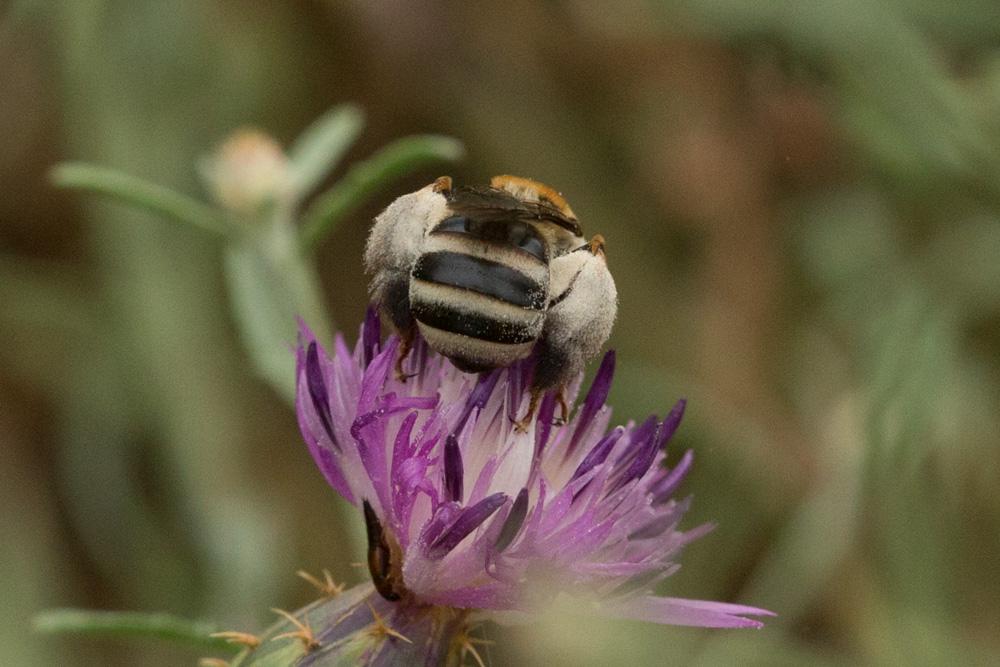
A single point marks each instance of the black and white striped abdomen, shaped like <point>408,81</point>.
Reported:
<point>479,301</point>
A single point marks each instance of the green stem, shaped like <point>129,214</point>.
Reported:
<point>129,624</point>
<point>395,160</point>
<point>141,194</point>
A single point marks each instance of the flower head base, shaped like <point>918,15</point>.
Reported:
<point>465,511</point>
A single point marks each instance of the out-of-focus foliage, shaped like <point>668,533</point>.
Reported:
<point>802,207</point>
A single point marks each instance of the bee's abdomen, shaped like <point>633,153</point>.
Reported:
<point>480,313</point>
<point>485,327</point>
<point>482,276</point>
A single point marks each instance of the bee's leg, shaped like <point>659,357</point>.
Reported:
<point>406,337</point>
<point>394,245</point>
<point>549,373</point>
<point>578,321</point>
<point>396,306</point>
<point>563,408</point>
<point>522,424</point>
<point>551,368</point>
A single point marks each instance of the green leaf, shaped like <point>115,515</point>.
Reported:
<point>890,84</point>
<point>322,145</point>
<point>810,547</point>
<point>270,285</point>
<point>265,314</point>
<point>129,624</point>
<point>140,194</point>
<point>364,178</point>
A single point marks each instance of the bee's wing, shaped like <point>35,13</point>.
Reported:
<point>492,204</point>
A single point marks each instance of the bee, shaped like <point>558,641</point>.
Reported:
<point>489,275</point>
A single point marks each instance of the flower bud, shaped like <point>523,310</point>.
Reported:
<point>248,172</point>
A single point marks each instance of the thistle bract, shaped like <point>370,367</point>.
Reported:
<point>467,512</point>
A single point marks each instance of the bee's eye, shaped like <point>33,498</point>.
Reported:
<point>456,223</point>
<point>525,237</point>
<point>515,233</point>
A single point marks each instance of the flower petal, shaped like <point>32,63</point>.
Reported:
<point>453,471</point>
<point>678,611</point>
<point>638,460</point>
<point>371,334</point>
<point>317,391</point>
<point>596,396</point>
<point>479,396</point>
<point>665,487</point>
<point>546,411</point>
<point>598,453</point>
<point>514,521</point>
<point>469,519</point>
<point>672,421</point>
<point>577,505</point>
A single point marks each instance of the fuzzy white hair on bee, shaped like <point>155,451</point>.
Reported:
<point>489,274</point>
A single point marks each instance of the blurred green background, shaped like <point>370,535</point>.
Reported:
<point>802,208</point>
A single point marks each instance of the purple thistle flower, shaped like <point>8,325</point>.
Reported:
<point>466,512</point>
